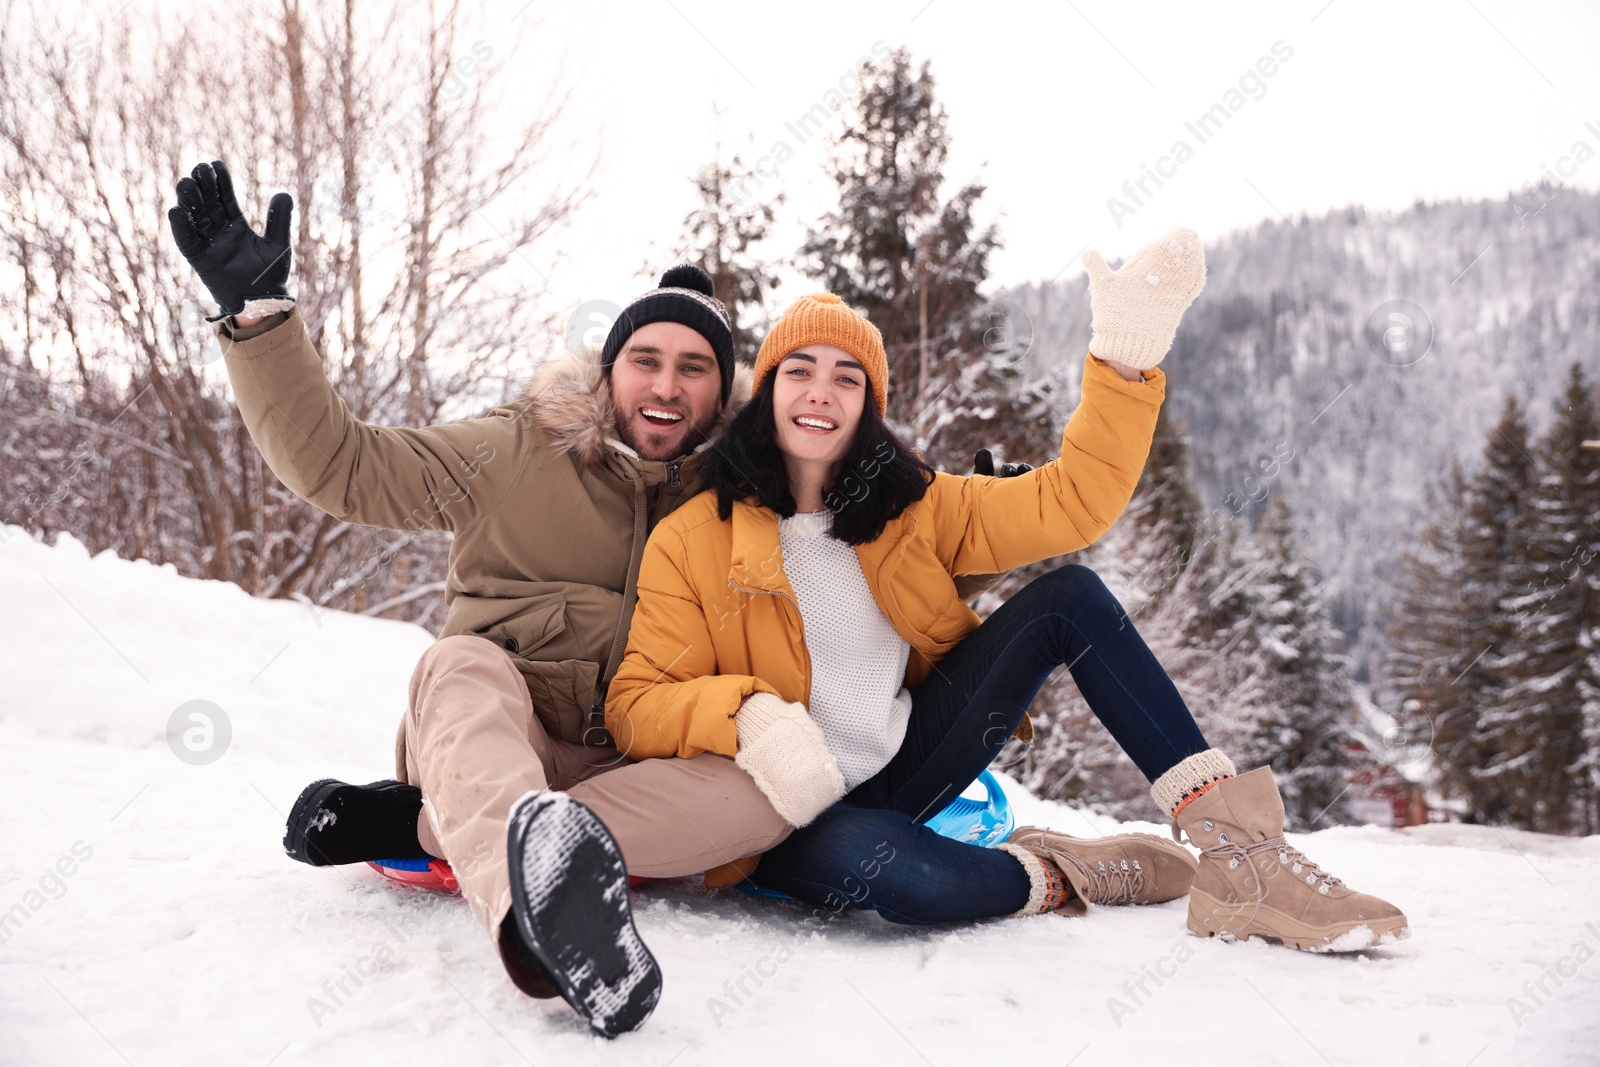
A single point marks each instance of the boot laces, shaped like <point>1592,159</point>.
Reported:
<point>1296,862</point>
<point>1110,882</point>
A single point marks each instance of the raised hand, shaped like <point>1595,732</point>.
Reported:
<point>1137,307</point>
<point>983,463</point>
<point>246,272</point>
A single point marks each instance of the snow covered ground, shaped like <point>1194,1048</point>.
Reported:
<point>148,915</point>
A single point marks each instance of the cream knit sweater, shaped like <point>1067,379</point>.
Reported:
<point>858,660</point>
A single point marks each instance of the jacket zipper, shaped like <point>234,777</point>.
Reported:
<point>672,480</point>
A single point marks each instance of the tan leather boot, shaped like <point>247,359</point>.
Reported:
<point>1252,882</point>
<point>1118,869</point>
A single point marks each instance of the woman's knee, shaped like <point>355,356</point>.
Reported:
<point>1076,576</point>
<point>1075,583</point>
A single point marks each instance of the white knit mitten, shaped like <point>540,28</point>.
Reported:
<point>783,749</point>
<point>1136,308</point>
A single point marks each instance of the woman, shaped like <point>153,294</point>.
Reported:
<point>801,616</point>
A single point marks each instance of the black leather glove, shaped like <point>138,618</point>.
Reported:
<point>983,463</point>
<point>247,273</point>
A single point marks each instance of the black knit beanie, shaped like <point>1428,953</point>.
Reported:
<point>686,296</point>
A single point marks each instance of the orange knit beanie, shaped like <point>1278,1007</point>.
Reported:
<point>824,319</point>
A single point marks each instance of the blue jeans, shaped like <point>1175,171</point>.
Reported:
<point>871,850</point>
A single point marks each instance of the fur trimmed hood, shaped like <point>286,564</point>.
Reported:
<point>571,400</point>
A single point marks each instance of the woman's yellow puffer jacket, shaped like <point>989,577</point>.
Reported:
<point>717,620</point>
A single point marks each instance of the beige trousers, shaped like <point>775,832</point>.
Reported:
<point>474,746</point>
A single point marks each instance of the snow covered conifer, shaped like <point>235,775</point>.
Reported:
<point>1554,604</point>
<point>1497,571</point>
<point>1301,728</point>
<point>913,261</point>
<point>720,236</point>
<point>1433,643</point>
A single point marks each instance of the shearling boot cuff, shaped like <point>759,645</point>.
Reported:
<point>1192,775</point>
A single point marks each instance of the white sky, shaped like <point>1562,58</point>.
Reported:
<point>1055,106</point>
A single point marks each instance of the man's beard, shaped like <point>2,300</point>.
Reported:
<point>693,436</point>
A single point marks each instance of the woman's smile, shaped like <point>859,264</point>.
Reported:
<point>819,424</point>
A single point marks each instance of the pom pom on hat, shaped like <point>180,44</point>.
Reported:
<point>688,276</point>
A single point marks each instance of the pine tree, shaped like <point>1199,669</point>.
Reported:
<point>1166,494</point>
<point>913,263</point>
<point>1557,604</point>
<point>720,236</point>
<point>1222,626</point>
<point>1432,646</point>
<point>1497,571</point>
<point>1260,668</point>
<point>1301,729</point>
<point>1589,692</point>
<point>1493,640</point>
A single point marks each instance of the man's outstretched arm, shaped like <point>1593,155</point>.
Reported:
<point>437,477</point>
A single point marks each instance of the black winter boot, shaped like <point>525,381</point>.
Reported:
<point>569,897</point>
<point>335,822</point>
<point>527,973</point>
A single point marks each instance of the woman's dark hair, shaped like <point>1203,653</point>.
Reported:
<point>879,476</point>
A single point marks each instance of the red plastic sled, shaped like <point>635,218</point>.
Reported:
<point>422,874</point>
<point>435,874</point>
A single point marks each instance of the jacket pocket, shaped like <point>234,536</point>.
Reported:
<point>563,691</point>
<point>527,623</point>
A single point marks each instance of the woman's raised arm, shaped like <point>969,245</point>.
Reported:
<point>992,524</point>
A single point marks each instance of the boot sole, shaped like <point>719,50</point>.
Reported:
<point>294,837</point>
<point>361,810</point>
<point>1211,917</point>
<point>569,893</point>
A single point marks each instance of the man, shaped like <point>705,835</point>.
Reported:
<point>505,769</point>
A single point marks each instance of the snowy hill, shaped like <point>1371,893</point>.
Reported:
<point>148,915</point>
